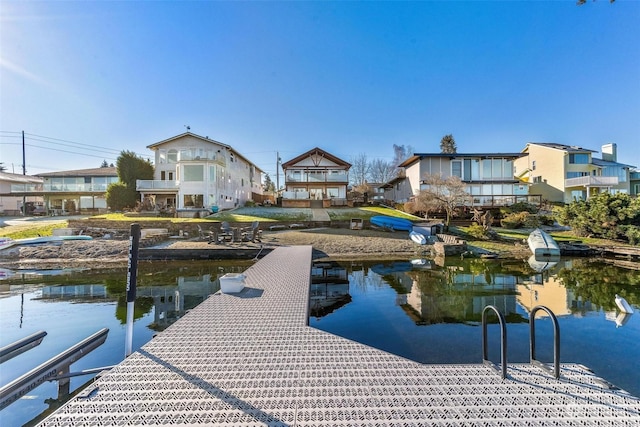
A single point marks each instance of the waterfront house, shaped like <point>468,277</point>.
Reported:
<point>68,192</point>
<point>563,173</point>
<point>315,178</point>
<point>17,189</point>
<point>194,173</point>
<point>634,178</point>
<point>488,177</point>
<point>77,191</point>
<point>398,189</point>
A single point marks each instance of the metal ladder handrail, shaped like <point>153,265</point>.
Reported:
<point>56,368</point>
<point>503,340</point>
<point>18,347</point>
<point>556,341</point>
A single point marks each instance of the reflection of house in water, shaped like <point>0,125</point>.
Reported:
<point>81,293</point>
<point>170,302</point>
<point>549,291</point>
<point>552,294</point>
<point>461,299</point>
<point>329,288</point>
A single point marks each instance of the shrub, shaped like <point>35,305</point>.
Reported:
<point>524,207</point>
<point>632,233</point>
<point>519,220</point>
<point>477,231</point>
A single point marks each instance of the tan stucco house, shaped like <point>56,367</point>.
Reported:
<point>564,173</point>
<point>315,178</point>
<point>196,173</point>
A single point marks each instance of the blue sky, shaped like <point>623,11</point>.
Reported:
<point>86,80</point>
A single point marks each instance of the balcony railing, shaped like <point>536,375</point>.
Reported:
<point>319,177</point>
<point>295,194</point>
<point>58,188</point>
<point>591,181</point>
<point>146,185</point>
<point>497,201</point>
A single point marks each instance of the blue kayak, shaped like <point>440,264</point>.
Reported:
<point>392,222</point>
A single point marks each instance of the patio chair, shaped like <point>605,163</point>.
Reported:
<point>209,236</point>
<point>226,233</point>
<point>252,233</point>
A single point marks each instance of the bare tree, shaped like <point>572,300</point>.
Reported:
<point>443,194</point>
<point>400,154</point>
<point>381,171</point>
<point>359,171</point>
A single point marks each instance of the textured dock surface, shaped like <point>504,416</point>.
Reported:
<point>251,360</point>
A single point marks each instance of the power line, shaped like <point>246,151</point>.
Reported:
<point>64,142</point>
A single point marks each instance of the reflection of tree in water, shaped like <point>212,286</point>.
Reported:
<point>142,306</point>
<point>599,282</point>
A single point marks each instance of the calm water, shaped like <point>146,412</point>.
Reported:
<point>71,307</point>
<point>429,312</point>
<point>432,313</point>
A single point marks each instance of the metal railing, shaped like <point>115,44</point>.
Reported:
<point>58,188</point>
<point>532,341</point>
<point>556,341</point>
<point>503,340</point>
<point>156,184</point>
<point>592,181</point>
<point>14,349</point>
<point>54,369</point>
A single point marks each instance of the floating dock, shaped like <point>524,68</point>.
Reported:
<point>249,359</point>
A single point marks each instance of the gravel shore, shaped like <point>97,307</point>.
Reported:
<point>334,243</point>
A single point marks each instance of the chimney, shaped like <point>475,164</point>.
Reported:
<point>610,152</point>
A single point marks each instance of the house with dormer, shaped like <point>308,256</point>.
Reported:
<point>196,173</point>
<point>315,178</point>
<point>564,173</point>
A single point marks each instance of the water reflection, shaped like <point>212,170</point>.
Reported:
<point>329,288</point>
<point>456,291</point>
<point>430,310</point>
<point>74,304</point>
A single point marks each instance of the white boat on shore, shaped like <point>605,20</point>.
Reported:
<point>7,242</point>
<point>542,244</point>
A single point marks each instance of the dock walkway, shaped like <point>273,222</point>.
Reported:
<point>251,360</point>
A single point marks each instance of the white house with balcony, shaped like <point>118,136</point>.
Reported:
<point>315,178</point>
<point>564,173</point>
<point>195,172</point>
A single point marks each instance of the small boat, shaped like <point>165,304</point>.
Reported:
<point>392,222</point>
<point>623,305</point>
<point>540,264</point>
<point>622,319</point>
<point>542,244</point>
<point>7,243</point>
<point>6,273</point>
<point>418,238</point>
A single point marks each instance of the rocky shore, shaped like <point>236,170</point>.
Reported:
<point>98,253</point>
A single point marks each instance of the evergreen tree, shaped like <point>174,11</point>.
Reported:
<point>130,168</point>
<point>268,184</point>
<point>448,144</point>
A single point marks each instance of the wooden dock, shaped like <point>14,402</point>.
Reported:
<point>250,359</point>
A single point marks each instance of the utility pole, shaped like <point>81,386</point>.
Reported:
<point>24,172</point>
<point>277,173</point>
